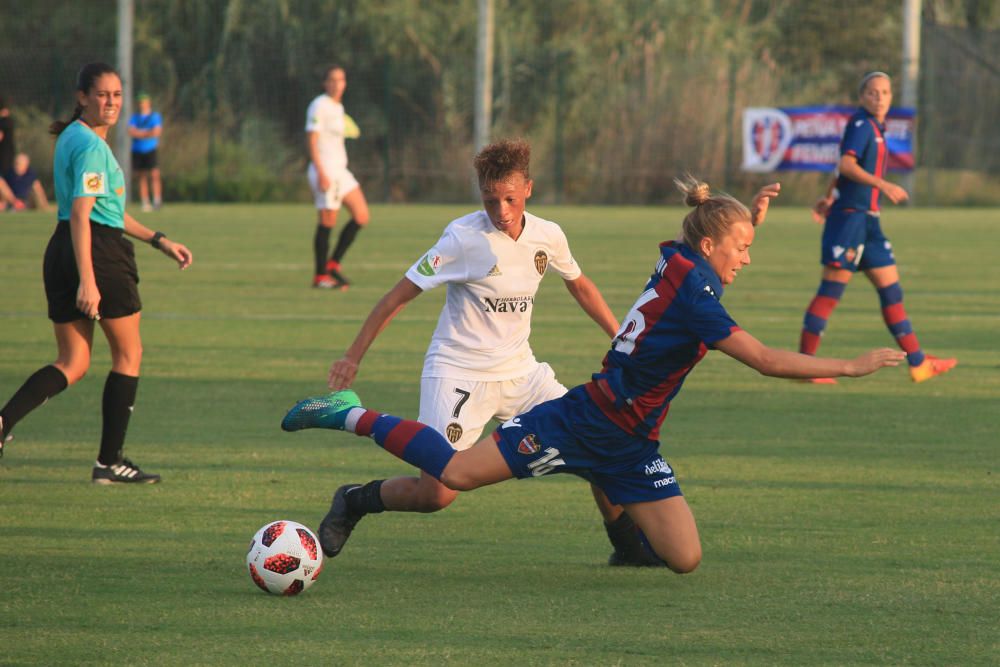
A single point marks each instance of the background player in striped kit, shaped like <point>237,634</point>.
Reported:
<point>479,365</point>
<point>852,235</point>
<point>608,429</point>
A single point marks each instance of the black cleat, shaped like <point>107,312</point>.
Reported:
<point>642,559</point>
<point>123,472</point>
<point>338,523</point>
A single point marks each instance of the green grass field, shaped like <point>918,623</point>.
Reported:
<point>846,525</point>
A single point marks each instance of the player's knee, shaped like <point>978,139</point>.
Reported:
<point>458,480</point>
<point>127,360</point>
<point>433,500</point>
<point>74,368</point>
<point>684,562</point>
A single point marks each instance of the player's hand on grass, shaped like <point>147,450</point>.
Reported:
<point>342,374</point>
<point>895,193</point>
<point>820,209</point>
<point>874,360</point>
<point>761,201</point>
<point>177,252</point>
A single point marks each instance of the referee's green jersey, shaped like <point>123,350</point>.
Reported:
<point>84,166</point>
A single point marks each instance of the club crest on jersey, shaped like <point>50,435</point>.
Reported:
<point>430,264</point>
<point>93,183</point>
<point>528,446</point>
<point>453,432</point>
<point>541,262</point>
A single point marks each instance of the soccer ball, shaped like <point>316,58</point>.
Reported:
<point>284,558</point>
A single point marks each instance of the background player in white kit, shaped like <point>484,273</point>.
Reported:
<point>332,183</point>
<point>479,365</point>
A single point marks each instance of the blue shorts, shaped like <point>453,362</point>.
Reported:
<point>853,240</point>
<point>570,434</point>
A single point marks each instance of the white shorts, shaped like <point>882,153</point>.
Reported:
<point>342,182</point>
<point>461,409</point>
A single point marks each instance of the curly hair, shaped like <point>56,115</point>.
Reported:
<point>499,160</point>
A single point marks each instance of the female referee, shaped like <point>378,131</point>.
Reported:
<point>90,274</point>
<point>608,429</point>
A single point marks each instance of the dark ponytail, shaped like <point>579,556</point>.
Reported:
<point>85,79</point>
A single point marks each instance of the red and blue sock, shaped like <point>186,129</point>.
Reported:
<point>818,313</point>
<point>899,325</point>
<point>414,442</point>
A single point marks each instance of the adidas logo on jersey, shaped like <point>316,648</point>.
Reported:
<point>494,272</point>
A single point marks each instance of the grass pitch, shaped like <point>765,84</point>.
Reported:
<point>854,524</point>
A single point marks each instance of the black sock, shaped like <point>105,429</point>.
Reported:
<point>321,246</point>
<point>366,499</point>
<point>119,397</point>
<point>45,383</point>
<point>347,235</point>
<point>624,536</point>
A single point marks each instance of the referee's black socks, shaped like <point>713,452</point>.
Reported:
<point>45,383</point>
<point>119,397</point>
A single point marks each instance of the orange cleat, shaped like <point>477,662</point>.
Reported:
<point>930,367</point>
<point>820,381</point>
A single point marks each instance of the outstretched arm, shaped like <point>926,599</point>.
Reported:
<point>590,299</point>
<point>343,370</point>
<point>784,364</point>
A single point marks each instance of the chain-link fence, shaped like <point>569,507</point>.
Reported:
<point>617,98</point>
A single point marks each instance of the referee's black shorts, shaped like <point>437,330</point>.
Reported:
<point>144,161</point>
<point>113,257</point>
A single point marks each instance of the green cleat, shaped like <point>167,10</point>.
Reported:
<point>328,411</point>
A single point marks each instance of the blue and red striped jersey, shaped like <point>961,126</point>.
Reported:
<point>863,139</point>
<point>676,319</point>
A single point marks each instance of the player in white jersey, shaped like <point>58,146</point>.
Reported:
<point>333,185</point>
<point>479,365</point>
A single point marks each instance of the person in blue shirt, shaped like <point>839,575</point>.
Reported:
<point>145,128</point>
<point>607,430</point>
<point>852,234</point>
<point>91,276</point>
<point>20,187</point>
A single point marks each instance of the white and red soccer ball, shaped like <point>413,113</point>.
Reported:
<point>284,558</point>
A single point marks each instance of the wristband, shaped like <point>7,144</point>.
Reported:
<point>155,241</point>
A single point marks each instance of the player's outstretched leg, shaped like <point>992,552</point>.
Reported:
<point>328,411</point>
<point>416,443</point>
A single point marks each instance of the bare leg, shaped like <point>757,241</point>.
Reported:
<point>74,341</point>
<point>154,177</point>
<point>670,528</point>
<point>125,342</point>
